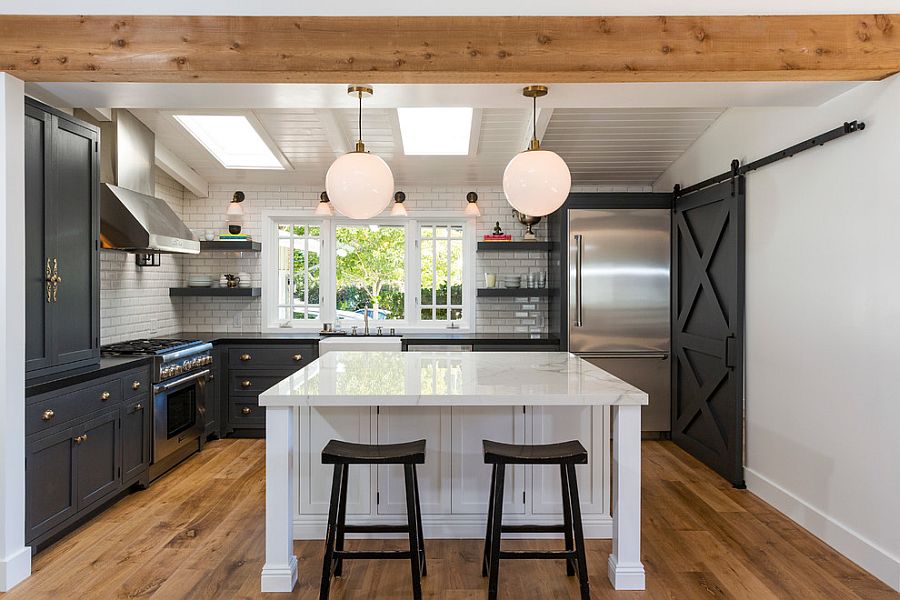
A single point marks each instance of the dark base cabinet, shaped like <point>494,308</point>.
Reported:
<point>249,369</point>
<point>84,446</point>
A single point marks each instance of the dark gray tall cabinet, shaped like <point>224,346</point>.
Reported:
<point>62,238</point>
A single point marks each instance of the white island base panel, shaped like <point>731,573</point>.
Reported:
<point>454,482</point>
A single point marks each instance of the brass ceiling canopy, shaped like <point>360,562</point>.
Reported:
<point>535,91</point>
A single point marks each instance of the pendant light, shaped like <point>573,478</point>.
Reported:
<point>536,182</point>
<point>324,207</point>
<point>472,209</point>
<point>359,184</point>
<point>398,210</point>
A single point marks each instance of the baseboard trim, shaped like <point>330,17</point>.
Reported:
<point>15,569</point>
<point>312,527</point>
<point>863,552</point>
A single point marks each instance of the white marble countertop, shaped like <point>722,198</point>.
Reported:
<point>451,378</point>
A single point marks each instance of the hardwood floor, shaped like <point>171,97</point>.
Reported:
<point>198,533</point>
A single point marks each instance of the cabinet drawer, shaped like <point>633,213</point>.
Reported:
<point>271,357</point>
<point>136,383</point>
<point>251,383</point>
<point>245,411</point>
<point>57,410</point>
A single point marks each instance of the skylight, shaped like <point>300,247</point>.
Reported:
<point>438,131</point>
<point>232,139</point>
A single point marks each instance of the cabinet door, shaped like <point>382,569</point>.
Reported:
<point>471,480</point>
<point>406,424</point>
<point>49,483</point>
<point>74,202</point>
<point>587,424</point>
<point>214,398</point>
<point>317,427</point>
<point>37,224</point>
<point>98,458</point>
<point>135,439</point>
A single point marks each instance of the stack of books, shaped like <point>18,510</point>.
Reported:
<point>503,237</point>
<point>240,237</point>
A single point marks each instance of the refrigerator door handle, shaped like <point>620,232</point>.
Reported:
<point>579,320</point>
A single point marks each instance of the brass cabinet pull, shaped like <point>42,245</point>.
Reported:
<point>49,280</point>
<point>105,396</point>
<point>245,357</point>
<point>48,414</point>
<point>79,439</point>
<point>246,410</point>
<point>246,383</point>
<point>297,357</point>
<point>138,406</point>
<point>136,385</point>
<point>55,279</point>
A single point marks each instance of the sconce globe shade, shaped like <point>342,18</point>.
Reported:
<point>359,185</point>
<point>536,182</point>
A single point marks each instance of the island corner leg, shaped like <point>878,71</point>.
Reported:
<point>279,573</point>
<point>625,570</point>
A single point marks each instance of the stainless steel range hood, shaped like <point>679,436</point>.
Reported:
<point>131,217</point>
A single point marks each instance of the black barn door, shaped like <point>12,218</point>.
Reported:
<point>708,326</point>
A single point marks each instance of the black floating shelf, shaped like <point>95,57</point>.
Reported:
<point>514,246</point>
<point>228,246</point>
<point>513,292</point>
<point>216,291</point>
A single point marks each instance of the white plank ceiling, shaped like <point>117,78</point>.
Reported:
<point>612,146</point>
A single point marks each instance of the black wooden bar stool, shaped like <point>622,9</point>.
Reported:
<point>566,455</point>
<point>342,455</point>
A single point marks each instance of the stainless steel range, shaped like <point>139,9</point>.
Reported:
<point>181,369</point>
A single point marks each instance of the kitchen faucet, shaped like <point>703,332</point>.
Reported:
<point>366,321</point>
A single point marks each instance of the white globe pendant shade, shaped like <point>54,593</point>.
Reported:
<point>536,182</point>
<point>360,185</point>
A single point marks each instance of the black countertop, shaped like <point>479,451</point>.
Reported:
<point>107,366</point>
<point>113,365</point>
<point>417,338</point>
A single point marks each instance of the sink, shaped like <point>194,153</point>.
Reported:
<point>360,343</point>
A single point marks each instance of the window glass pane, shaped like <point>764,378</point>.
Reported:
<point>315,231</point>
<point>456,231</point>
<point>370,269</point>
<point>285,269</point>
<point>455,314</point>
<point>456,271</point>
<point>299,230</point>
<point>427,275</point>
<point>427,232</point>
<point>440,232</point>
<point>440,314</point>
<point>427,314</point>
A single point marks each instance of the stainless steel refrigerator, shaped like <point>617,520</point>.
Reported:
<point>618,317</point>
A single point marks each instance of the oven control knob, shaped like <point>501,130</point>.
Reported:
<point>165,372</point>
<point>176,370</point>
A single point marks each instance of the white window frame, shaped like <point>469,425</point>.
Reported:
<point>327,276</point>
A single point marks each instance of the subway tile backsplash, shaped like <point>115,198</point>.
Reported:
<point>135,301</point>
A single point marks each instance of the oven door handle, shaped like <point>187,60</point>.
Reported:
<point>165,387</point>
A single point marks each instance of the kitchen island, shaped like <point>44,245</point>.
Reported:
<point>453,400</point>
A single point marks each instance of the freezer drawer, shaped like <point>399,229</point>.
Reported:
<point>650,374</point>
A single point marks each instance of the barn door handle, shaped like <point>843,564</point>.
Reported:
<point>731,351</point>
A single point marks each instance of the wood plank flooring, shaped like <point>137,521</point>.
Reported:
<point>198,533</point>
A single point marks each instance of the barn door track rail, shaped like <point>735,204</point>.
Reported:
<point>736,169</point>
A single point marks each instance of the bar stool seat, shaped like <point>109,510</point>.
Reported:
<point>564,454</point>
<point>342,455</point>
<point>407,453</point>
<point>535,454</point>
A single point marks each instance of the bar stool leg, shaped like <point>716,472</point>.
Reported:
<point>486,560</point>
<point>567,518</point>
<point>409,477</point>
<point>422,561</point>
<point>580,555</point>
<point>496,523</point>
<point>330,534</point>
<point>342,518</point>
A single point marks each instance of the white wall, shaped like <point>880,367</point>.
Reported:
<point>15,557</point>
<point>823,315</point>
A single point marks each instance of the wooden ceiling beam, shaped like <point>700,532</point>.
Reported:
<point>449,49</point>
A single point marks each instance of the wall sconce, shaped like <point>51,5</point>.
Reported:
<point>398,210</point>
<point>324,207</point>
<point>472,209</point>
<point>234,214</point>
